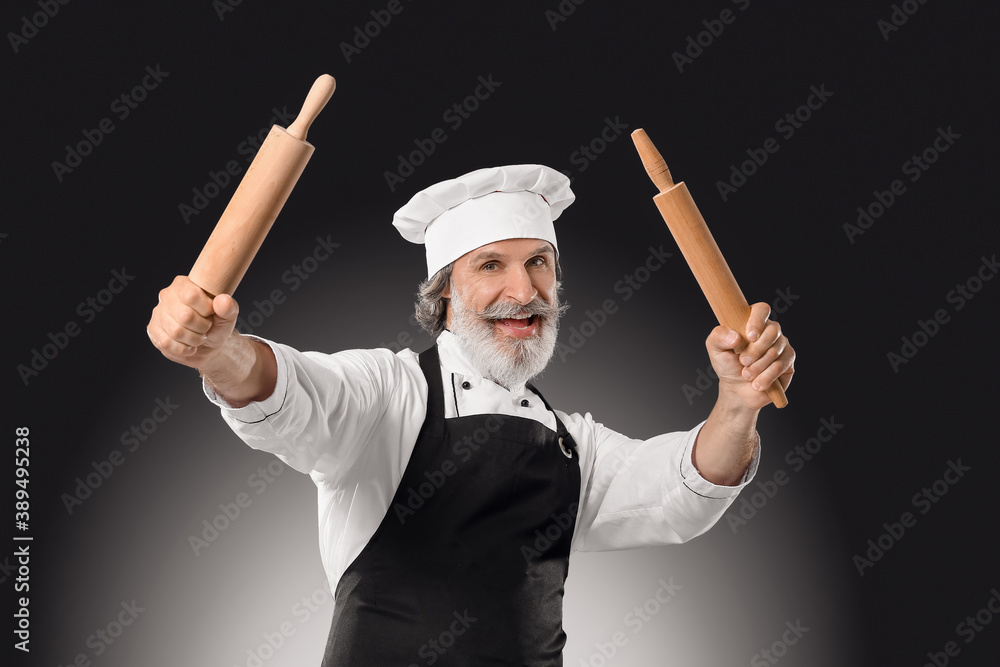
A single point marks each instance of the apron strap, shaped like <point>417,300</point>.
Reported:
<point>565,439</point>
<point>430,364</point>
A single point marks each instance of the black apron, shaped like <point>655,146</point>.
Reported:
<point>468,564</point>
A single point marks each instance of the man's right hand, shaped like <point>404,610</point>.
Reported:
<point>190,327</point>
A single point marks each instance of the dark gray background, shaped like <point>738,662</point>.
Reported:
<point>783,230</point>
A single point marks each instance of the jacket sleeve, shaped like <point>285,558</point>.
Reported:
<point>637,493</point>
<point>324,407</point>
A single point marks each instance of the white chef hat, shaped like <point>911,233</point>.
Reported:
<point>457,216</point>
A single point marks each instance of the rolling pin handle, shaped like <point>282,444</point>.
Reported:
<point>777,394</point>
<point>654,163</point>
<point>320,93</point>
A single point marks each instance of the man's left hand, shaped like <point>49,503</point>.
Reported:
<point>749,361</point>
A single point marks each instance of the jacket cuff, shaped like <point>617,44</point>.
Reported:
<point>256,411</point>
<point>693,480</point>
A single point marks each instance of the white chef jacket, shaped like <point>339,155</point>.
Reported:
<point>350,421</point>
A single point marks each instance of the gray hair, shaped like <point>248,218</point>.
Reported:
<point>432,308</point>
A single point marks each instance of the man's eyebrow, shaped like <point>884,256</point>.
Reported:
<point>486,255</point>
<point>545,249</point>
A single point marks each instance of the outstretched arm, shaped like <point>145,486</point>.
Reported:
<point>727,441</point>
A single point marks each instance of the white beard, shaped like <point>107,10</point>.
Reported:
<point>507,361</point>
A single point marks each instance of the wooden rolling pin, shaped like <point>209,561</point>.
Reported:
<point>699,248</point>
<point>258,199</point>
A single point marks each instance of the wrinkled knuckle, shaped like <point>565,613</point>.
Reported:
<point>187,317</point>
<point>174,330</point>
<point>166,348</point>
<point>766,360</point>
<point>189,292</point>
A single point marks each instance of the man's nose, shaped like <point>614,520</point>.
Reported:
<point>520,289</point>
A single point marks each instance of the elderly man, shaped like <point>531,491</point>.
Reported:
<point>450,493</point>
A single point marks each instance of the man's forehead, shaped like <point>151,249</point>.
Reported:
<point>509,248</point>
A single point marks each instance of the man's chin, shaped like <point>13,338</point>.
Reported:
<point>507,353</point>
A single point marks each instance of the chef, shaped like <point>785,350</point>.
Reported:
<point>451,493</point>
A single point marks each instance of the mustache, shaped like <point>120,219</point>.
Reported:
<point>537,306</point>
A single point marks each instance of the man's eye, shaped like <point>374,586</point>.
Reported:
<point>490,266</point>
<point>538,261</point>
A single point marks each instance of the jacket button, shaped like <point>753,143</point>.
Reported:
<point>466,385</point>
<point>525,403</point>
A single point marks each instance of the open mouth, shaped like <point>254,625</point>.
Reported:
<point>518,327</point>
